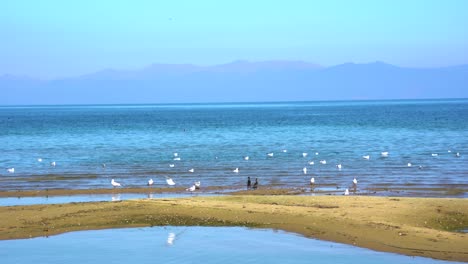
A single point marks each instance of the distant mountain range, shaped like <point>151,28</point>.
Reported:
<point>240,81</point>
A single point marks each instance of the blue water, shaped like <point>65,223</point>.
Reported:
<point>190,245</point>
<point>137,142</point>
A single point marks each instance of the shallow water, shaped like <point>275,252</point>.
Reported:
<point>13,201</point>
<point>137,142</point>
<point>190,245</point>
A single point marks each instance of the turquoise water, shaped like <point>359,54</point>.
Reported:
<point>137,142</point>
<point>190,245</point>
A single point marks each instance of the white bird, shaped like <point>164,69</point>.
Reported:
<point>191,189</point>
<point>150,182</point>
<point>191,170</point>
<point>304,154</point>
<point>11,170</point>
<point>311,163</point>
<point>449,151</point>
<point>384,154</point>
<point>323,162</point>
<point>39,160</point>
<point>176,154</point>
<point>115,184</point>
<point>177,158</point>
<point>236,170</point>
<point>409,164</point>
<point>171,165</point>
<point>53,164</point>
<point>246,158</point>
<point>285,150</point>
<point>458,154</point>
<point>434,154</point>
<point>354,181</point>
<point>316,153</point>
<point>170,239</point>
<point>312,181</point>
<point>346,192</point>
<point>270,154</point>
<point>367,157</point>
<point>170,182</point>
<point>338,166</point>
<point>197,185</point>
<point>304,170</point>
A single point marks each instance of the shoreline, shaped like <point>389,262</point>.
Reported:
<point>410,226</point>
<point>440,192</point>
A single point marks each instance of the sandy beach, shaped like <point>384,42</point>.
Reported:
<point>411,226</point>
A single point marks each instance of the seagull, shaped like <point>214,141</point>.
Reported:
<point>191,170</point>
<point>11,170</point>
<point>246,158</point>
<point>458,154</point>
<point>316,153</point>
<point>53,164</point>
<point>434,154</point>
<point>354,181</point>
<point>197,185</point>
<point>177,158</point>
<point>409,164</point>
<point>270,154</point>
<point>323,162</point>
<point>311,163</point>
<point>150,182</point>
<point>312,181</point>
<point>285,150</point>
<point>367,157</point>
<point>449,151</point>
<point>103,165</point>
<point>304,154</point>
<point>304,170</point>
<point>346,192</point>
<point>170,182</point>
<point>115,184</point>
<point>171,165</point>
<point>384,154</point>
<point>39,160</point>
<point>191,189</point>
<point>176,154</point>
<point>338,166</point>
<point>236,170</point>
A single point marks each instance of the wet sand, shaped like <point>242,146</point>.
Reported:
<point>411,226</point>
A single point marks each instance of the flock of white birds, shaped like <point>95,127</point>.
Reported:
<point>196,185</point>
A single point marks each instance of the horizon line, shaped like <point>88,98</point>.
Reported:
<point>233,103</point>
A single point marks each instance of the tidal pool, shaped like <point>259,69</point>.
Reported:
<point>190,245</point>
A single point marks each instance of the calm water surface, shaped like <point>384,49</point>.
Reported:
<point>190,245</point>
<point>137,142</point>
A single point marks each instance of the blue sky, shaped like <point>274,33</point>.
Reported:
<point>51,39</point>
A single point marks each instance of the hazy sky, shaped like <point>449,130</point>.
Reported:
<point>50,39</point>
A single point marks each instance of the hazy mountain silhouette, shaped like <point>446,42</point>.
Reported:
<point>241,81</point>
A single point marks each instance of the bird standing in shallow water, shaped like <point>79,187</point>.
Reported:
<point>170,182</point>
<point>346,192</point>
<point>304,170</point>
<point>249,183</point>
<point>115,184</point>
<point>150,182</point>
<point>255,185</point>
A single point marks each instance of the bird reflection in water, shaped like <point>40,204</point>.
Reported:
<point>170,239</point>
<point>115,197</point>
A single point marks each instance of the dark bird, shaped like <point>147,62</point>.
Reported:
<point>255,185</point>
<point>248,183</point>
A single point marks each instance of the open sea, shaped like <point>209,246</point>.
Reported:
<point>138,142</point>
